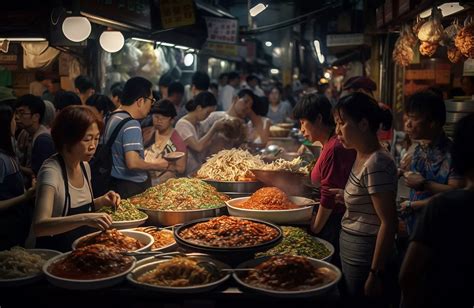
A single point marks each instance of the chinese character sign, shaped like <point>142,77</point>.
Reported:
<point>176,13</point>
<point>222,30</point>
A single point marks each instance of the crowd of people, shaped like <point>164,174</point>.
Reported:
<point>48,196</point>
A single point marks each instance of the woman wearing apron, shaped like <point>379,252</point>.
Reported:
<point>65,207</point>
<point>15,216</point>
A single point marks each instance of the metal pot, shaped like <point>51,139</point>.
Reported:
<point>170,218</point>
<point>236,187</point>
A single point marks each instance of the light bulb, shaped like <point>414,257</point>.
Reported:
<point>188,59</point>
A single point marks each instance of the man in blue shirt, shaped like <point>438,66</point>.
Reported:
<point>129,170</point>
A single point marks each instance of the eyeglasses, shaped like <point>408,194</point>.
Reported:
<point>22,113</point>
<point>153,100</point>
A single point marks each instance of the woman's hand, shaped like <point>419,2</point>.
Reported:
<point>373,286</point>
<point>100,221</point>
<point>111,198</point>
<point>339,194</point>
<point>414,180</point>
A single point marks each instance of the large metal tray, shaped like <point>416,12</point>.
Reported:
<point>170,218</point>
<point>236,187</point>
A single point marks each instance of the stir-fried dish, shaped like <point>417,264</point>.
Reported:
<point>268,198</point>
<point>227,231</point>
<point>288,273</point>
<point>126,211</point>
<point>19,262</point>
<point>297,242</point>
<point>113,239</point>
<point>91,262</point>
<point>180,194</point>
<point>178,272</point>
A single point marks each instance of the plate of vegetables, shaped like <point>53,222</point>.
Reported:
<point>126,215</point>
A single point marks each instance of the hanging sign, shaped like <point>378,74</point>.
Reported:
<point>176,13</point>
<point>222,30</point>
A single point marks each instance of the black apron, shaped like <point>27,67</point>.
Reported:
<point>63,241</point>
<point>15,222</point>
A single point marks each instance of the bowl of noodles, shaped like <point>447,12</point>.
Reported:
<point>273,205</point>
<point>19,266</point>
<point>232,170</point>
<point>182,274</point>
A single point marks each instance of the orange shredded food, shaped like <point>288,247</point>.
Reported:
<point>268,198</point>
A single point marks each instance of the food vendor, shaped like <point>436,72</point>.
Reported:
<point>64,204</point>
<point>332,168</point>
<point>188,128</point>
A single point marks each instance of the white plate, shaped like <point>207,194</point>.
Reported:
<point>142,237</point>
<point>126,224</point>
<point>292,216</point>
<point>78,284</point>
<point>319,290</point>
<point>148,265</point>
<point>14,282</point>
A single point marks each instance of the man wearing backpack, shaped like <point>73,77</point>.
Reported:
<point>129,170</point>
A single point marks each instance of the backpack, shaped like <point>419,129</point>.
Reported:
<point>102,162</point>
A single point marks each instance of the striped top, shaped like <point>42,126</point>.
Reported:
<point>379,174</point>
<point>128,139</point>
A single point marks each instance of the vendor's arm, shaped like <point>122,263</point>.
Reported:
<point>26,196</point>
<point>200,144</point>
<point>135,162</point>
<point>111,199</point>
<point>45,225</point>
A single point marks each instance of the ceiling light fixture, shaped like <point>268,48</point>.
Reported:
<point>76,28</point>
<point>111,41</point>
<point>257,9</point>
<point>268,44</point>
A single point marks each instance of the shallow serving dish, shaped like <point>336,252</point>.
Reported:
<point>142,237</point>
<point>20,281</point>
<point>151,263</point>
<point>170,218</point>
<point>236,252</point>
<point>166,248</point>
<point>86,284</point>
<point>126,224</point>
<point>292,216</point>
<point>315,291</point>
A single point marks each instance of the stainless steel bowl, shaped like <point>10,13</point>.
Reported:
<point>235,187</point>
<point>170,218</point>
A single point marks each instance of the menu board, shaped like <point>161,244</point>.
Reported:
<point>222,30</point>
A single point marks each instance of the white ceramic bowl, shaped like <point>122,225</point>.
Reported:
<point>293,216</point>
<point>314,291</point>
<point>83,284</point>
<point>126,224</point>
<point>142,237</point>
<point>20,281</point>
<point>166,248</point>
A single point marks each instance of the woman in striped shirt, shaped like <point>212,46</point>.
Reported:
<point>369,223</point>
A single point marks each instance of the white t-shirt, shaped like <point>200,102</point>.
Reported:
<point>187,130</point>
<point>51,174</point>
<point>226,96</point>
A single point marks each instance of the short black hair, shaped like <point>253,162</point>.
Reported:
<point>101,102</point>
<point>135,88</point>
<point>311,105</point>
<point>203,99</point>
<point>175,87</point>
<point>116,89</point>
<point>360,106</point>
<point>201,81</point>
<point>165,80</point>
<point>34,103</point>
<point>260,105</point>
<point>429,104</point>
<point>64,99</point>
<point>164,107</point>
<point>222,76</point>
<point>463,147</point>
<point>213,85</point>
<point>83,83</point>
<point>252,77</point>
<point>232,76</point>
